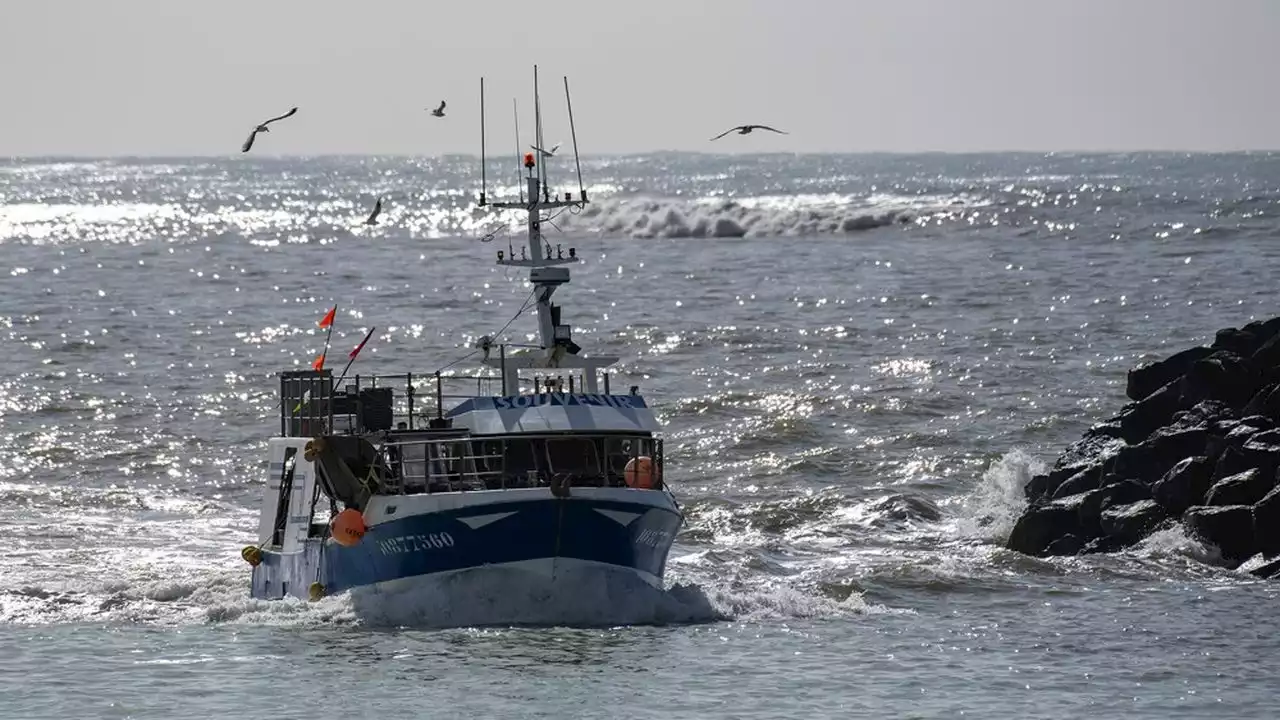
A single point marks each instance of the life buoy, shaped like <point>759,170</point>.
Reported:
<point>347,527</point>
<point>641,474</point>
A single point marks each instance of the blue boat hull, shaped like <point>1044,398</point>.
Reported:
<point>627,536</point>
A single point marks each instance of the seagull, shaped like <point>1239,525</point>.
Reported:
<point>746,129</point>
<point>547,153</point>
<point>373,217</point>
<point>262,127</point>
<point>438,112</point>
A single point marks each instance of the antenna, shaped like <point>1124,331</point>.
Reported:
<point>573,132</point>
<point>537,132</point>
<point>515,110</point>
<point>483,182</point>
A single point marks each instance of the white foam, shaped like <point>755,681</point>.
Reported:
<point>990,510</point>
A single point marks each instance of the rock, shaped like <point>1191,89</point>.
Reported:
<point>1265,402</point>
<point>1241,433</point>
<point>1244,488</point>
<point>1240,342</point>
<point>1069,544</point>
<point>1038,528</point>
<point>1228,527</point>
<point>1223,376</point>
<point>1083,481</point>
<point>1041,526</point>
<point>1184,485</point>
<point>1266,523</point>
<point>1151,459</point>
<point>1267,571</point>
<point>1144,417</point>
<point>1259,421</point>
<point>1200,441</point>
<point>1262,451</point>
<point>1267,355</point>
<point>1150,377</point>
<point>1131,523</point>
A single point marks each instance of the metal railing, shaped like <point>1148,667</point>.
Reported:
<point>311,405</point>
<point>416,465</point>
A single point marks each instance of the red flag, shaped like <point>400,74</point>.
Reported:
<point>328,317</point>
<point>360,347</point>
<point>318,364</point>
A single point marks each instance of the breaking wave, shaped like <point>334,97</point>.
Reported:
<point>773,215</point>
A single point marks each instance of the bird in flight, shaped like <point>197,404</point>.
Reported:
<point>438,112</point>
<point>746,130</point>
<point>377,209</point>
<point>262,127</point>
<point>547,153</point>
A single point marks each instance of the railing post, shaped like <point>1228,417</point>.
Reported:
<point>502,355</point>
<point>408,381</point>
<point>439,397</point>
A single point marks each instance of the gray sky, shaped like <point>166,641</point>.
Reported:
<point>177,77</point>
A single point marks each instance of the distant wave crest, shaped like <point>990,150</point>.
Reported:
<point>650,217</point>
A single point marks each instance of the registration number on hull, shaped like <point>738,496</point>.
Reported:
<point>405,544</point>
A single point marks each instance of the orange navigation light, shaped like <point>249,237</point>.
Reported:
<point>528,160</point>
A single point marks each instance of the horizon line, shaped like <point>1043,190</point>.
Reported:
<point>776,153</point>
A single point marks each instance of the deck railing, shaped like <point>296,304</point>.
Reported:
<point>311,405</point>
<point>412,464</point>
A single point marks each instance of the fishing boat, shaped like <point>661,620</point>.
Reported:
<point>538,471</point>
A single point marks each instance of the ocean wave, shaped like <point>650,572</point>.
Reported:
<point>761,216</point>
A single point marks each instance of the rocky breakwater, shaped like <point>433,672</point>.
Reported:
<point>1199,444</point>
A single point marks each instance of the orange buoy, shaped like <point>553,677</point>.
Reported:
<point>640,473</point>
<point>347,527</point>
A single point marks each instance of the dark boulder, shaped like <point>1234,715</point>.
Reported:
<point>1223,376</point>
<point>1267,570</point>
<point>1200,442</point>
<point>1083,481</point>
<point>1184,485</point>
<point>1138,420</point>
<point>1266,523</point>
<point>1262,451</point>
<point>1265,403</point>
<point>1151,376</point>
<point>1038,528</point>
<point>1131,523</point>
<point>1244,488</point>
<point>1228,527</point>
<point>1069,544</point>
<point>1043,525</point>
<point>1152,458</point>
<point>1240,342</point>
<point>1262,422</point>
<point>1267,355</point>
<point>1086,454</point>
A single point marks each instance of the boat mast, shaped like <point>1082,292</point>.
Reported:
<point>546,268</point>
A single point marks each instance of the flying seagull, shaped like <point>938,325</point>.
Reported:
<point>746,129</point>
<point>373,217</point>
<point>438,112</point>
<point>262,127</point>
<point>547,153</point>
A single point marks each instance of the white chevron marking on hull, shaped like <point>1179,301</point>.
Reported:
<point>479,521</point>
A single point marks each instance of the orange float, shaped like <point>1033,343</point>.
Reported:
<point>347,527</point>
<point>640,473</point>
